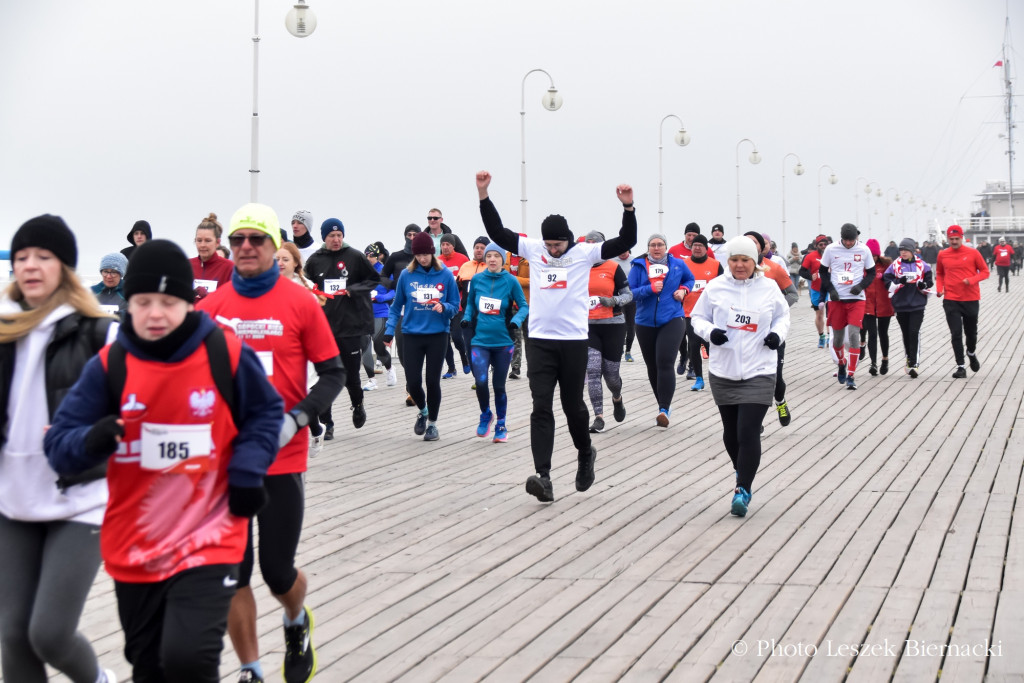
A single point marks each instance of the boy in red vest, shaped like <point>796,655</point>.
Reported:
<point>190,424</point>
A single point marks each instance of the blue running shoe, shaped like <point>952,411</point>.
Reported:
<point>698,385</point>
<point>740,502</point>
<point>850,384</point>
<point>466,369</point>
<point>431,434</point>
<point>448,375</point>
<point>500,433</point>
<point>485,424</point>
<point>842,372</point>
<point>629,357</point>
<point>821,341</point>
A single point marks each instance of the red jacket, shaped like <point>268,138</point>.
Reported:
<point>218,269</point>
<point>956,265</point>
<point>876,296</point>
<point>1003,253</point>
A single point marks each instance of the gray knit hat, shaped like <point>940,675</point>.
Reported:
<point>114,261</point>
<point>908,244</point>
<point>306,218</point>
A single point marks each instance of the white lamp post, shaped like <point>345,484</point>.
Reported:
<point>856,197</point>
<point>832,180</point>
<point>551,101</point>
<point>300,22</point>
<point>682,139</point>
<point>888,212</point>
<point>797,170</point>
<point>754,158</point>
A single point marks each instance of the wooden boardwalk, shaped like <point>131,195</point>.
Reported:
<point>882,541</point>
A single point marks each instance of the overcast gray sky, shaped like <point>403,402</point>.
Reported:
<point>110,112</point>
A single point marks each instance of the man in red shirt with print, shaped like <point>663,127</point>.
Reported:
<point>1003,256</point>
<point>958,271</point>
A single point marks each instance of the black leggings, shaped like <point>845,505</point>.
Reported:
<point>962,319</point>
<point>553,362</point>
<point>1004,276</point>
<point>280,523</point>
<point>629,311</point>
<point>741,432</point>
<point>780,384</point>
<point>876,331</point>
<point>351,349</point>
<point>659,346</point>
<point>417,349</point>
<point>910,326</point>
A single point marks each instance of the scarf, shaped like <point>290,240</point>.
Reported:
<point>256,286</point>
<point>914,275</point>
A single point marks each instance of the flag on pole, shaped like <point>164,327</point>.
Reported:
<point>999,63</point>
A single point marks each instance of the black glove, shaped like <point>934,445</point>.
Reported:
<point>833,293</point>
<point>772,341</point>
<point>387,338</point>
<point>606,301</point>
<point>512,327</point>
<point>921,285</point>
<point>718,337</point>
<point>101,440</point>
<point>855,290</point>
<point>246,501</point>
<point>903,279</point>
<point>464,324</point>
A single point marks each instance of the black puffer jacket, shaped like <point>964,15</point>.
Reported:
<point>349,315</point>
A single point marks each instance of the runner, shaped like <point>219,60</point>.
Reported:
<point>909,281</point>
<point>609,293</point>
<point>192,424</point>
<point>705,268</point>
<point>287,329</point>
<point>878,310</point>
<point>846,269</point>
<point>556,349</point>
<point>819,296</point>
<point>1002,256</point>
<point>660,283</point>
<point>491,318</point>
<point>746,317</point>
<point>382,298</point>
<point>453,260</point>
<point>209,269</point>
<point>958,271</point>
<point>50,326</point>
<point>520,268</point>
<point>110,290</point>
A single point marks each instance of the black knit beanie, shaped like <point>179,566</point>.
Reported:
<point>849,231</point>
<point>555,227</point>
<point>159,267</point>
<point>47,232</point>
<point>757,236</point>
<point>692,227</point>
<point>144,227</point>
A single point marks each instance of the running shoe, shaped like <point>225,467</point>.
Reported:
<point>370,385</point>
<point>316,446</point>
<point>619,410</point>
<point>585,469</point>
<point>358,415</point>
<point>448,375</point>
<point>822,340</point>
<point>850,384</point>
<point>883,369</point>
<point>698,385</point>
<point>629,357</point>
<point>960,373</point>
<point>913,371</point>
<point>247,676</point>
<point>663,416</point>
<point>485,424</point>
<point>300,655</point>
<point>784,415</point>
<point>431,434</point>
<point>329,433</point>
<point>466,369</point>
<point>975,363</point>
<point>378,368</point>
<point>392,377</point>
<point>740,501</point>
<point>500,433</point>
<point>681,368</point>
<point>514,374</point>
<point>421,424</point>
<point>842,372</point>
<point>540,488</point>
<point>873,370</point>
<point>690,374</point>
<point>598,426</point>
<point>408,400</point>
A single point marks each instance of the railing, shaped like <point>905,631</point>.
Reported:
<point>993,225</point>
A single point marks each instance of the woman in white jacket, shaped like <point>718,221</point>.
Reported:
<point>746,317</point>
<point>50,325</point>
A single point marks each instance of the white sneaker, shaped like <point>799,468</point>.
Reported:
<point>110,676</point>
<point>370,385</point>
<point>392,377</point>
<point>378,368</point>
<point>316,445</point>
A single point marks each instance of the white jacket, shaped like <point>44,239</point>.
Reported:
<point>737,306</point>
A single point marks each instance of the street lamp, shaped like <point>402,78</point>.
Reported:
<point>797,170</point>
<point>682,139</point>
<point>832,180</point>
<point>754,158</point>
<point>888,212</point>
<point>856,197</point>
<point>300,22</point>
<point>551,101</point>
<point>867,191</point>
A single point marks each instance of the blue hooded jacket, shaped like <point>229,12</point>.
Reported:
<point>491,330</point>
<point>419,316</point>
<point>656,309</point>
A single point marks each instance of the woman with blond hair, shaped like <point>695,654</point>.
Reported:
<point>50,325</point>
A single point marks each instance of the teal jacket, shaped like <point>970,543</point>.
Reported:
<point>498,291</point>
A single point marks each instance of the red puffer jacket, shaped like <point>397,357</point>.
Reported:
<point>876,296</point>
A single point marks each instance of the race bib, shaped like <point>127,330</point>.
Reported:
<point>210,285</point>
<point>426,295</point>
<point>335,286</point>
<point>111,309</point>
<point>490,306</point>
<point>554,278</point>
<point>699,285</point>
<point>743,319</point>
<point>594,302</point>
<point>657,271</point>
<point>845,278</point>
<point>267,360</point>
<point>176,449</point>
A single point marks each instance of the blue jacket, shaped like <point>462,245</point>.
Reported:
<point>259,408</point>
<point>415,292</point>
<point>383,298</point>
<point>909,298</point>
<point>491,330</point>
<point>654,310</point>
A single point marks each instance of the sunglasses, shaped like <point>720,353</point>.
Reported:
<point>255,240</point>
<point>433,218</point>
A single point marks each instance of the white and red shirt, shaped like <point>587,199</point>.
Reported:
<point>1002,253</point>
<point>559,289</point>
<point>847,266</point>
<point>286,328</point>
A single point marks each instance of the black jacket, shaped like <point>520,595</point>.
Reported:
<point>349,315</point>
<point>396,263</point>
<point>75,340</point>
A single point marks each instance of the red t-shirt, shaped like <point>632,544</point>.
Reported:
<point>812,262</point>
<point>680,250</point>
<point>1003,252</point>
<point>286,328</point>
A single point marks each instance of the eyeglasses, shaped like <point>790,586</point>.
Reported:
<point>433,218</point>
<point>109,272</point>
<point>255,240</point>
